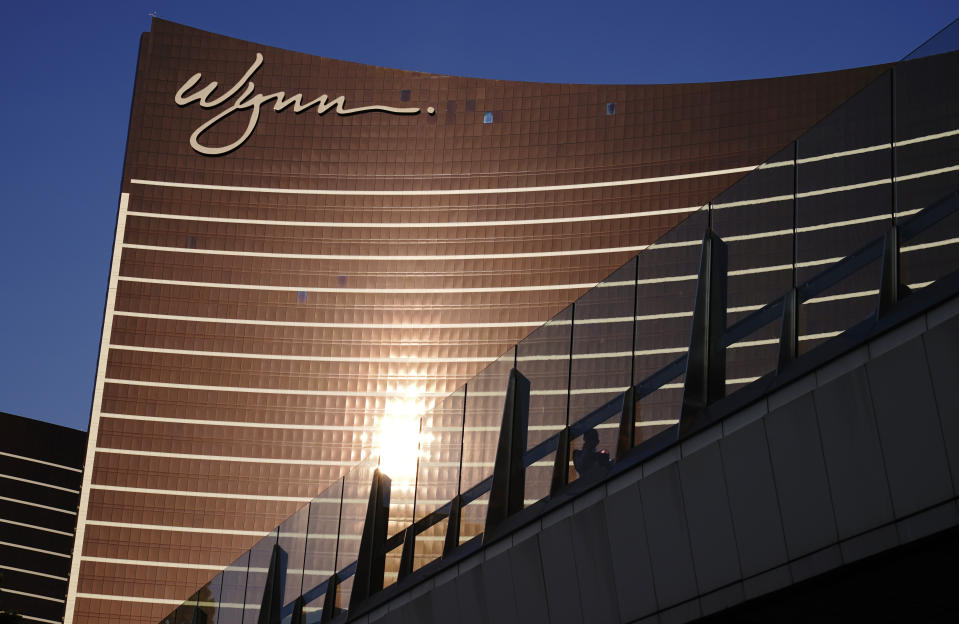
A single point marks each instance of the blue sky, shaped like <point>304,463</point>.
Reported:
<point>68,79</point>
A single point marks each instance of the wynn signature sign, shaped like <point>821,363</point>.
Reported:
<point>247,100</point>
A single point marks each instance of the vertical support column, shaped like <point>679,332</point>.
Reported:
<point>789,330</point>
<point>627,425</point>
<point>506,495</point>
<point>272,603</point>
<point>406,558</point>
<point>371,561</point>
<point>452,527</point>
<point>706,362</point>
<point>297,616</point>
<point>329,599</point>
<point>560,463</point>
<point>891,288</point>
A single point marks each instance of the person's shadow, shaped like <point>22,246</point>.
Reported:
<point>589,460</point>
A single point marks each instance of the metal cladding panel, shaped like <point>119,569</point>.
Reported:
<point>271,305</point>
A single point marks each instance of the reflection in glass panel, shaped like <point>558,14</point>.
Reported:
<point>485,397</point>
<point>665,296</point>
<point>602,342</point>
<point>437,480</point>
<point>764,196</point>
<point>292,539</point>
<point>233,591</point>
<point>207,601</point>
<point>946,40</point>
<point>844,199</point>
<point>543,357</point>
<point>260,556</point>
<point>319,559</point>
<point>356,495</point>
<point>429,544</point>
<point>927,109</point>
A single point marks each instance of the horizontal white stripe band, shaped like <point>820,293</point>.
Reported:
<point>29,595</point>
<point>224,458</point>
<point>154,564</point>
<point>177,529</point>
<point>373,291</point>
<point>924,174</point>
<point>40,483</point>
<point>405,359</point>
<point>163,601</point>
<point>191,566</point>
<point>424,258</point>
<point>32,549</point>
<point>433,192</point>
<point>33,618</point>
<point>40,461</point>
<point>34,526</point>
<point>405,225</point>
<point>928,137</point>
<point>38,505</point>
<point>852,152</point>
<point>192,494</point>
<point>205,319</point>
<point>33,572</point>
<point>847,187</point>
<point>342,393</point>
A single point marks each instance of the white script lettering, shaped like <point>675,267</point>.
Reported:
<point>252,102</point>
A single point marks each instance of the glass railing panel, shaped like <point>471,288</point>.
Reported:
<point>260,556</point>
<point>665,296</point>
<point>356,495</point>
<point>946,40</point>
<point>319,558</point>
<point>602,366</point>
<point>839,307</point>
<point>543,358</point>
<point>233,591</point>
<point>437,479</point>
<point>844,196</point>
<point>927,158</point>
<point>603,342</point>
<point>930,255</point>
<point>485,397</point>
<point>755,219</point>
<point>292,540</point>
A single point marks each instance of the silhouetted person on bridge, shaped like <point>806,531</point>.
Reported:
<point>589,460</point>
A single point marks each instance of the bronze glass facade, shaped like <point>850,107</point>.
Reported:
<point>274,307</point>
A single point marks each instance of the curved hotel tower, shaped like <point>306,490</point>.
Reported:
<point>310,253</point>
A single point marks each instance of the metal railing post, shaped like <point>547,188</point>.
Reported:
<point>891,288</point>
<point>371,561</point>
<point>560,463</point>
<point>452,527</point>
<point>627,425</point>
<point>506,493</point>
<point>406,558</point>
<point>272,603</point>
<point>789,330</point>
<point>706,363</point>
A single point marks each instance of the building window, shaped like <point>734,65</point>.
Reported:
<point>488,117</point>
<point>610,108</point>
<point>301,296</point>
<point>405,95</point>
<point>191,242</point>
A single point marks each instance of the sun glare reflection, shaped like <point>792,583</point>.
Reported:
<point>397,438</point>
